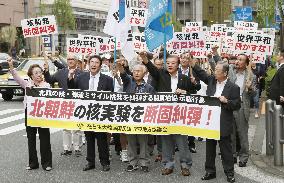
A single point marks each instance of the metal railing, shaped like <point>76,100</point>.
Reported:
<point>274,131</point>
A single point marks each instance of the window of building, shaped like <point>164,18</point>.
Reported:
<point>211,9</point>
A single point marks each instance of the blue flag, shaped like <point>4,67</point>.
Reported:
<point>121,9</point>
<point>159,27</point>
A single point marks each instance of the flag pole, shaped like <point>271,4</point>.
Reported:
<point>114,55</point>
<point>165,41</point>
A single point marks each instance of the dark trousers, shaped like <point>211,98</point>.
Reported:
<point>102,147</point>
<point>191,142</point>
<point>116,139</point>
<point>45,147</point>
<point>226,155</point>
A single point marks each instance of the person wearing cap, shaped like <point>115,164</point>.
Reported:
<point>61,77</point>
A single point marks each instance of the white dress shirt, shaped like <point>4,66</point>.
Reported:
<point>174,82</point>
<point>240,81</point>
<point>220,88</point>
<point>185,72</point>
<point>94,81</point>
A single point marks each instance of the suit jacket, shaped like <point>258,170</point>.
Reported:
<point>129,85</point>
<point>198,85</point>
<point>231,92</point>
<point>163,79</point>
<point>82,82</point>
<point>61,76</point>
<point>247,94</point>
<point>277,86</point>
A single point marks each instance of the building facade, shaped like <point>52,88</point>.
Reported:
<point>206,11</point>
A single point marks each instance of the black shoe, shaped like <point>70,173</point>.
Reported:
<point>66,153</point>
<point>106,168</point>
<point>131,168</point>
<point>192,149</point>
<point>242,164</point>
<point>145,168</point>
<point>200,139</point>
<point>209,176</point>
<point>231,178</point>
<point>78,153</point>
<point>88,167</point>
<point>235,160</point>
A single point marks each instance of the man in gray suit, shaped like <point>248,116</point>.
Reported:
<point>61,77</point>
<point>245,79</point>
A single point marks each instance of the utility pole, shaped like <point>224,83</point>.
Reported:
<point>184,12</point>
<point>26,14</point>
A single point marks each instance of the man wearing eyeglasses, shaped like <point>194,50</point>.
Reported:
<point>61,77</point>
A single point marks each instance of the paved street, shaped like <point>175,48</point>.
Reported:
<point>14,158</point>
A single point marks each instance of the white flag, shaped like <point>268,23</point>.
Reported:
<point>120,29</point>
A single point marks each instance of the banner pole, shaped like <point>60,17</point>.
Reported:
<point>165,48</point>
<point>115,54</point>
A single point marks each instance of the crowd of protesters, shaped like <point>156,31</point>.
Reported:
<point>236,81</point>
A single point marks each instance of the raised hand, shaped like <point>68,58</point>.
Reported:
<point>10,62</point>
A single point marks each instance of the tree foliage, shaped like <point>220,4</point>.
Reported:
<point>8,34</point>
<point>65,18</point>
<point>266,8</point>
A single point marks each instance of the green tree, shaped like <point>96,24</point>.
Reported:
<point>64,15</point>
<point>266,8</point>
<point>177,25</point>
<point>65,18</point>
<point>8,34</point>
<point>266,11</point>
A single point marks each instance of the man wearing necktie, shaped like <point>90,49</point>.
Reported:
<point>94,80</point>
<point>229,95</point>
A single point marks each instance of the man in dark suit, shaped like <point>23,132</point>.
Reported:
<point>95,81</point>
<point>61,77</point>
<point>170,81</point>
<point>186,70</point>
<point>277,83</point>
<point>229,96</point>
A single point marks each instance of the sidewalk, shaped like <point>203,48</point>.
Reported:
<point>257,137</point>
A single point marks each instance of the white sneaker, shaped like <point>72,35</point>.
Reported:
<point>124,156</point>
<point>256,115</point>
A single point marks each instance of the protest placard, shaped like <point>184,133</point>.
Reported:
<point>158,114</point>
<point>39,26</point>
<point>138,17</point>
<point>245,26</point>
<point>260,44</point>
<point>139,41</point>
<point>82,46</point>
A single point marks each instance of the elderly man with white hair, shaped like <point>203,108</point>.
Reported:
<point>136,84</point>
<point>61,77</point>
